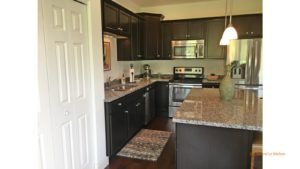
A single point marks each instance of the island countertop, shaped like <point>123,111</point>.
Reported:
<point>205,107</point>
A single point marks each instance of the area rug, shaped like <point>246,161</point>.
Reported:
<point>146,145</point>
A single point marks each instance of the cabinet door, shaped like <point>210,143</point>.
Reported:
<point>162,98</point>
<point>136,116</point>
<point>196,29</point>
<point>152,37</point>
<point>140,51</point>
<point>118,125</point>
<point>214,32</point>
<point>111,16</point>
<point>124,22</point>
<point>241,26</point>
<point>134,37</point>
<point>255,26</point>
<point>249,26</point>
<point>180,30</point>
<point>166,40</point>
<point>152,102</point>
<point>124,49</point>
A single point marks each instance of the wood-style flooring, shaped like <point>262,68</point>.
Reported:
<point>165,161</point>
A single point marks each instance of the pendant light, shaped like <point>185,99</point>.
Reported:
<point>230,32</point>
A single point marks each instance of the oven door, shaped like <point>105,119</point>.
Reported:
<point>178,93</point>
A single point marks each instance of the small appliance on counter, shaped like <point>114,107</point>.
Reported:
<point>147,70</point>
<point>131,74</point>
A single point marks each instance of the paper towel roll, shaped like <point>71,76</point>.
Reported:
<point>131,75</point>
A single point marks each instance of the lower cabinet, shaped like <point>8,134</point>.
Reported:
<point>162,99</point>
<point>136,115</point>
<point>123,117</point>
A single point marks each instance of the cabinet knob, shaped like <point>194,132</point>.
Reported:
<point>251,33</point>
<point>119,104</point>
<point>121,29</point>
<point>167,85</point>
<point>138,104</point>
<point>139,56</point>
<point>247,33</point>
<point>158,55</point>
<point>126,111</point>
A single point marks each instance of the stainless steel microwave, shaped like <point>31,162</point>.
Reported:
<point>187,49</point>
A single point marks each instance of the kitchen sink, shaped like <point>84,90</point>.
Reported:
<point>123,87</point>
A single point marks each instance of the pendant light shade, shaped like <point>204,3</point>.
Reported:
<point>230,32</point>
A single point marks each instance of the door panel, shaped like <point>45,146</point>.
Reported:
<point>62,71</point>
<point>68,147</point>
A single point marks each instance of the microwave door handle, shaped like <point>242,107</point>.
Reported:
<point>197,50</point>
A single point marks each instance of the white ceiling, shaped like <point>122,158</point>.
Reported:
<point>149,3</point>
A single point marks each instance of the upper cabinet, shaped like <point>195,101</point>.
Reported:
<point>166,32</point>
<point>248,26</point>
<point>214,32</point>
<point>115,20</point>
<point>193,29</point>
<point>152,35</point>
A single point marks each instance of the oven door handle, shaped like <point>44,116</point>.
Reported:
<point>187,86</point>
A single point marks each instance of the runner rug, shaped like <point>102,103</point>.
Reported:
<point>146,145</point>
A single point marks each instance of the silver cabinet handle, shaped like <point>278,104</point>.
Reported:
<point>139,56</point>
<point>126,111</point>
<point>247,33</point>
<point>138,104</point>
<point>119,104</point>
<point>111,28</point>
<point>251,33</point>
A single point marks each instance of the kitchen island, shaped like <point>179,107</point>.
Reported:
<point>212,133</point>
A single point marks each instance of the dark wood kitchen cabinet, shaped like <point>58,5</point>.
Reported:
<point>136,38</point>
<point>192,29</point>
<point>115,20</point>
<point>248,26</point>
<point>136,115</point>
<point>166,29</point>
<point>152,35</point>
<point>131,48</point>
<point>214,32</point>
<point>123,118</point>
<point>162,98</point>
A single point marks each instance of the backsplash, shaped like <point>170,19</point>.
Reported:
<point>216,66</point>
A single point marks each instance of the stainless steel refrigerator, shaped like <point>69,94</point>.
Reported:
<point>245,56</point>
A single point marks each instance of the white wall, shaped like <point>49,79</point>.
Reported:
<point>97,75</point>
<point>129,5</point>
<point>205,9</point>
<point>166,66</point>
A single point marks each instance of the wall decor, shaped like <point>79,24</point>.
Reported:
<point>106,56</point>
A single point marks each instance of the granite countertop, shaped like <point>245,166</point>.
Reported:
<point>114,95</point>
<point>204,107</point>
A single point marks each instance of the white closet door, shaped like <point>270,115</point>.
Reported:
<point>68,71</point>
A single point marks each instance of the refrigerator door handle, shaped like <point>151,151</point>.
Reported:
<point>256,62</point>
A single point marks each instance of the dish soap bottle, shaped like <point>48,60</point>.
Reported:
<point>123,79</point>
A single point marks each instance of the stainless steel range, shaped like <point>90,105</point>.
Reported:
<point>184,79</point>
